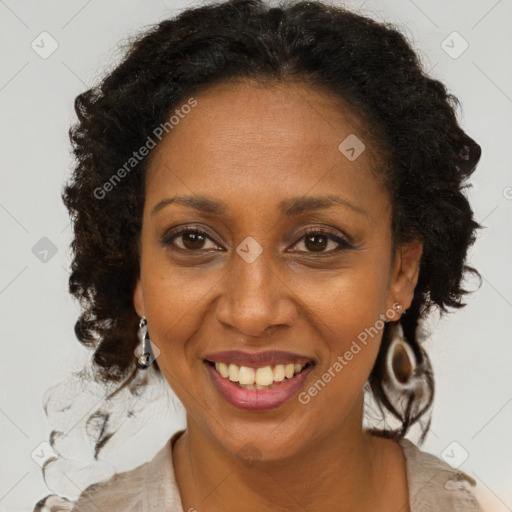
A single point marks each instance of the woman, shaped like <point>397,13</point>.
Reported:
<point>267,202</point>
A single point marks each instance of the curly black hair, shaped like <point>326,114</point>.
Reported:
<point>366,64</point>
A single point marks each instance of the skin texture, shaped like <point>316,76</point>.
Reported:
<point>250,147</point>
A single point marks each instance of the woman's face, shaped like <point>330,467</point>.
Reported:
<point>253,159</point>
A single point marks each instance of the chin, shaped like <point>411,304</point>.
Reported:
<point>263,444</point>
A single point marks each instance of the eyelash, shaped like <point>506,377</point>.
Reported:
<point>168,238</point>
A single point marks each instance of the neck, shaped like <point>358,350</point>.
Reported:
<point>343,472</point>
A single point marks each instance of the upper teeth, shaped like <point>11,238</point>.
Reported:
<point>260,376</point>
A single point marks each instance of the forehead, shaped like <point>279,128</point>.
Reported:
<point>279,139</point>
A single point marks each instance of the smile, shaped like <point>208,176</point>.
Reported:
<point>258,389</point>
<point>266,377</point>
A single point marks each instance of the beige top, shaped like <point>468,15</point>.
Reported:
<point>434,486</point>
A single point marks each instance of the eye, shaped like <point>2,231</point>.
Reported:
<point>316,241</point>
<point>191,239</point>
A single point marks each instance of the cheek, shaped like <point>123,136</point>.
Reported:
<point>175,305</point>
<point>175,309</point>
<point>351,336</point>
<point>352,332</point>
<point>179,307</point>
<point>346,302</point>
<point>348,316</point>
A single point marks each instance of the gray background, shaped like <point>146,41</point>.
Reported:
<point>470,349</point>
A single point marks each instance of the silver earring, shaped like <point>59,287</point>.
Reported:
<point>143,352</point>
<point>398,308</point>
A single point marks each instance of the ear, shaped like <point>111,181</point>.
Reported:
<point>405,273</point>
<point>138,299</point>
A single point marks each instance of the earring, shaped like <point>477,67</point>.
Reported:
<point>401,365</point>
<point>143,352</point>
<point>398,308</point>
<point>405,379</point>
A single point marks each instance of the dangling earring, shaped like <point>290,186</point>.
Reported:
<point>406,380</point>
<point>401,365</point>
<point>143,352</point>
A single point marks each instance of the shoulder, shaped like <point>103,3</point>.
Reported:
<point>433,483</point>
<point>122,491</point>
<point>145,487</point>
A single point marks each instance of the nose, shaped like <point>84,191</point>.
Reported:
<point>255,298</point>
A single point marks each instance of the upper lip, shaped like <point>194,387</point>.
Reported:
<point>257,359</point>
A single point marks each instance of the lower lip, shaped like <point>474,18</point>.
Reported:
<point>258,399</point>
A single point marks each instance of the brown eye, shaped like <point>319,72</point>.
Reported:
<point>193,240</point>
<point>319,241</point>
<point>316,243</point>
<point>190,240</point>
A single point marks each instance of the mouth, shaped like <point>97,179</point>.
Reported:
<point>258,388</point>
<point>260,378</point>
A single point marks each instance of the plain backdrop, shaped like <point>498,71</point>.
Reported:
<point>471,349</point>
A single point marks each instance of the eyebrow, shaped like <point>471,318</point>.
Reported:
<point>289,207</point>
